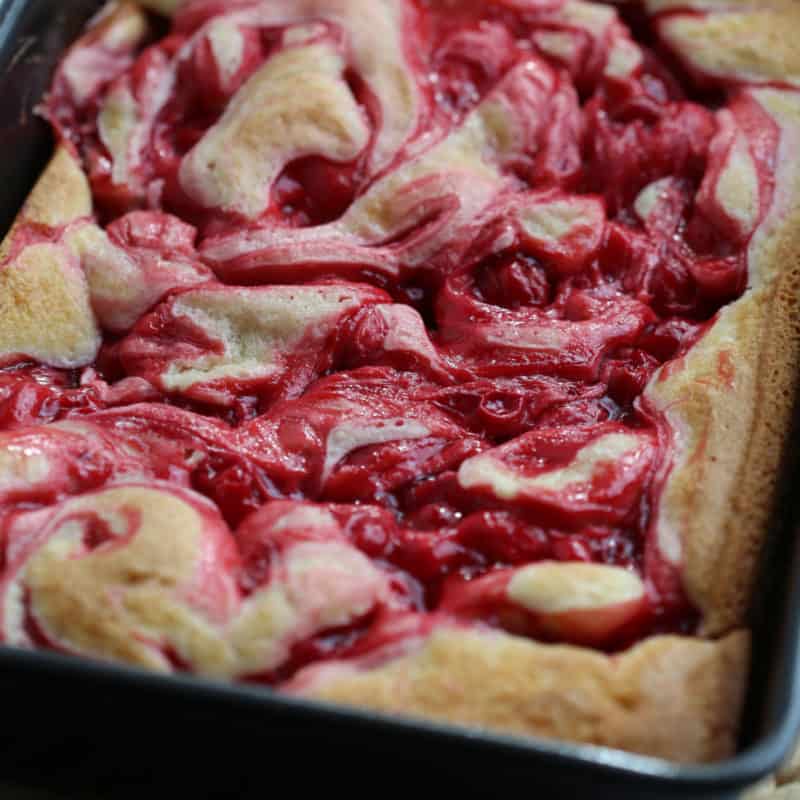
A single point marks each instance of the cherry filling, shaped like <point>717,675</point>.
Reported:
<point>512,280</point>
<point>479,413</point>
<point>30,394</point>
<point>313,191</point>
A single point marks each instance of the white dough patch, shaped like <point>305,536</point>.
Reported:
<point>506,483</point>
<point>737,188</point>
<point>350,436</point>
<point>554,587</point>
<point>227,45</point>
<point>649,198</point>
<point>256,326</point>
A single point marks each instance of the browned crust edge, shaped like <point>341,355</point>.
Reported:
<point>730,440</point>
<point>60,196</point>
<point>45,308</point>
<point>669,697</point>
<point>45,304</point>
<point>730,406</point>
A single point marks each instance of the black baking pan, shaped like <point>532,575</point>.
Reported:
<point>84,729</point>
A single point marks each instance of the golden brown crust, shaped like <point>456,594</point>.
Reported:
<point>144,576</point>
<point>45,311</point>
<point>45,304</point>
<point>730,434</point>
<point>61,196</point>
<point>670,697</point>
<point>729,403</point>
<point>747,41</point>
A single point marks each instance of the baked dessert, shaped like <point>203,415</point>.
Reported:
<point>433,356</point>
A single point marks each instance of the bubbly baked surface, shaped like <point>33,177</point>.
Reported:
<point>410,353</point>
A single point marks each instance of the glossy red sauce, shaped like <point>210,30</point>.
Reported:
<point>624,298</point>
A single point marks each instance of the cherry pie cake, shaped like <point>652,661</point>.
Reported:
<point>431,356</point>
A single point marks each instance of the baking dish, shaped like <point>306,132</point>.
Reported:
<point>79,700</point>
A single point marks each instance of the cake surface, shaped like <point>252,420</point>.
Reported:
<point>433,356</point>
